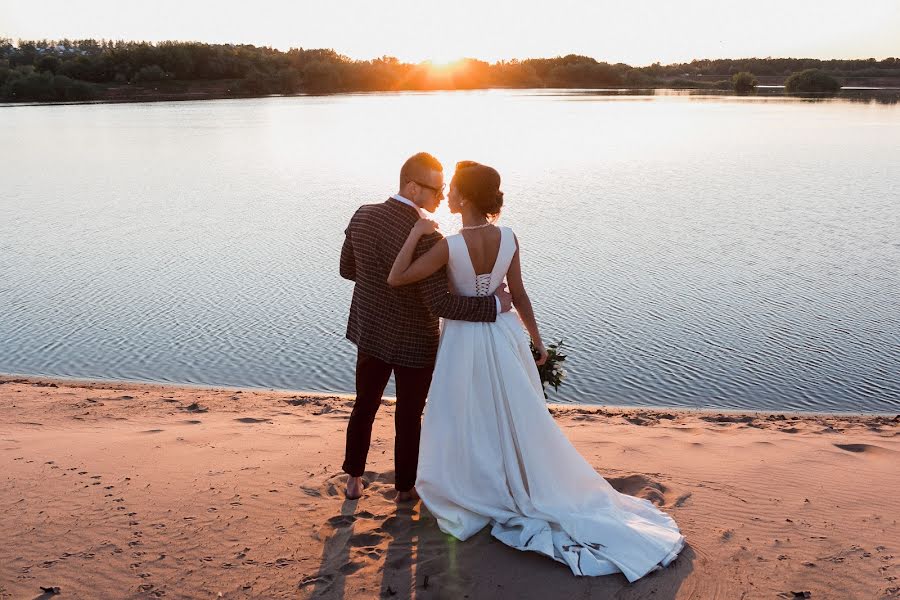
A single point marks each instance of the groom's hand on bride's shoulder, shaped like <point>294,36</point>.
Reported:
<point>504,297</point>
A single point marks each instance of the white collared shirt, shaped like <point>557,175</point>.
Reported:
<point>409,202</point>
<point>424,215</point>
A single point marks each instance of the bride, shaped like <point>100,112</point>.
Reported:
<point>490,452</point>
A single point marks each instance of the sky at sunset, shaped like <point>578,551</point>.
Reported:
<point>634,32</point>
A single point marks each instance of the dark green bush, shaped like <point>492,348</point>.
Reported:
<point>811,81</point>
<point>744,82</point>
<point>44,87</point>
<point>682,83</point>
<point>150,73</point>
<point>48,63</point>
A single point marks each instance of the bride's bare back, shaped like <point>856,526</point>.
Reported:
<point>484,246</point>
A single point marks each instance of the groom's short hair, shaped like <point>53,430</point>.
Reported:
<point>417,166</point>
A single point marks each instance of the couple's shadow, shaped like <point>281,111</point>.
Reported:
<point>411,558</point>
<point>360,539</point>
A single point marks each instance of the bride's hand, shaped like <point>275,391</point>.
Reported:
<point>425,227</point>
<point>542,352</point>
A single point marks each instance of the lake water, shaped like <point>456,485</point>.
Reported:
<point>692,251</point>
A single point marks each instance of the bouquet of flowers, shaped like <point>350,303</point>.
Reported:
<point>552,372</point>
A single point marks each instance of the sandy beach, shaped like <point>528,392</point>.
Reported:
<point>115,490</point>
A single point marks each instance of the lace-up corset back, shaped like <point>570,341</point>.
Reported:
<point>463,279</point>
<point>483,284</point>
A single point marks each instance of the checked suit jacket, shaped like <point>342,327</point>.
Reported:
<point>399,326</point>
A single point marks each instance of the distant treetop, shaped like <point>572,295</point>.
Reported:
<point>254,70</point>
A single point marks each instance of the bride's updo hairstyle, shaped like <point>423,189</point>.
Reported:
<point>480,185</point>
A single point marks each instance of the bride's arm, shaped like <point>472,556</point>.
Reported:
<point>405,271</point>
<point>523,304</point>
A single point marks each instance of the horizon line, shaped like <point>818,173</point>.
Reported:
<point>19,40</point>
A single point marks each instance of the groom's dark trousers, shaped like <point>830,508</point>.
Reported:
<point>372,375</point>
<point>396,330</point>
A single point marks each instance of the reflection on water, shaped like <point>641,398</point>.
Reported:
<point>774,93</point>
<point>692,250</point>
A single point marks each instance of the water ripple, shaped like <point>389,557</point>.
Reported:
<point>686,260</point>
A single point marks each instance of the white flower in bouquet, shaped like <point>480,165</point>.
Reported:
<point>551,372</point>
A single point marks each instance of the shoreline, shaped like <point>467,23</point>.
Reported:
<point>148,491</point>
<point>768,91</point>
<point>565,407</point>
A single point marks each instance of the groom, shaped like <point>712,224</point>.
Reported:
<point>397,329</point>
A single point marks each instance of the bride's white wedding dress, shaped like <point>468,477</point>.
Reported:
<point>491,453</point>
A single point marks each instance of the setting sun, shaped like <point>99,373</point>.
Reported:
<point>452,72</point>
<point>445,62</point>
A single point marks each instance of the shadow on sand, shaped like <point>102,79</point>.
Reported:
<point>405,555</point>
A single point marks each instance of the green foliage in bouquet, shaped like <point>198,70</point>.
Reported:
<point>552,372</point>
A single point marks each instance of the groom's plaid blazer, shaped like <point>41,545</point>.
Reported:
<point>398,325</point>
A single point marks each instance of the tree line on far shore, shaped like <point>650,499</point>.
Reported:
<point>60,70</point>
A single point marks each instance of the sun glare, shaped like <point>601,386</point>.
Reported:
<point>444,63</point>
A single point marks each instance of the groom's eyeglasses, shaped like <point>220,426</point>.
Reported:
<point>434,190</point>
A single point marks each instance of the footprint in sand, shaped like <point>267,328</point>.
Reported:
<point>335,484</point>
<point>322,583</point>
<point>365,540</point>
<point>865,449</point>
<point>351,567</point>
<point>280,563</point>
<point>341,520</point>
<point>640,486</point>
<point>682,499</point>
<point>395,525</point>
